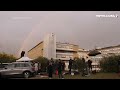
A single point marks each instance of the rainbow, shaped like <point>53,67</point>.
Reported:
<point>33,31</point>
<point>45,18</point>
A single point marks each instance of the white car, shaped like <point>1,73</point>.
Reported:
<point>25,69</point>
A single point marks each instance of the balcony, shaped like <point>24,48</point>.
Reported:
<point>65,50</point>
<point>62,48</point>
<point>63,53</point>
<point>63,58</point>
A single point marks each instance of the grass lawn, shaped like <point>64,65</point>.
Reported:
<point>92,76</point>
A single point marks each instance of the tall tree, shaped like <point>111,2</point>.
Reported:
<point>7,58</point>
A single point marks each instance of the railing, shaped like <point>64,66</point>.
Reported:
<point>64,53</point>
<point>63,58</point>
<point>64,49</point>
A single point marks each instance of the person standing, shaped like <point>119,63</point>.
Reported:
<point>50,70</point>
<point>36,68</point>
<point>90,65</point>
<point>70,65</point>
<point>53,64</point>
<point>39,68</point>
<point>56,67</point>
<point>83,67</point>
<point>118,66</point>
<point>63,67</point>
<point>60,69</point>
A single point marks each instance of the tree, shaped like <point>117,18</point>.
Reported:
<point>43,61</point>
<point>110,63</point>
<point>78,64</point>
<point>7,58</point>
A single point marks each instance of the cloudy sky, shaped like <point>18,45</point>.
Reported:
<point>21,30</point>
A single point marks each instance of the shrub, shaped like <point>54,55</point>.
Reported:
<point>110,64</point>
<point>43,61</point>
<point>78,64</point>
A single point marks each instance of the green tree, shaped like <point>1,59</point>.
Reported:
<point>7,58</point>
<point>110,64</point>
<point>78,64</point>
<point>43,61</point>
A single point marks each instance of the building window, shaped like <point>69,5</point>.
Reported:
<point>63,57</point>
<point>58,46</point>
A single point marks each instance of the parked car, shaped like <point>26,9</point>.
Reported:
<point>25,69</point>
<point>2,65</point>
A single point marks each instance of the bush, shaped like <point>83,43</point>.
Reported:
<point>7,58</point>
<point>78,65</point>
<point>110,64</point>
<point>43,61</point>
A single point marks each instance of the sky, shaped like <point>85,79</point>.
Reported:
<point>22,30</point>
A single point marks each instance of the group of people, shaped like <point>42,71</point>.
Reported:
<point>59,67</point>
<point>37,67</point>
<point>87,67</point>
<point>56,68</point>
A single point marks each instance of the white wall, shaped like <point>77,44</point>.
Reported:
<point>50,46</point>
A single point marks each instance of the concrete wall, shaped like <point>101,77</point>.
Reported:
<point>75,48</point>
<point>50,46</point>
<point>36,51</point>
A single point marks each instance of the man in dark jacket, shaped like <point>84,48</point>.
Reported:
<point>90,65</point>
<point>118,66</point>
<point>50,70</point>
<point>60,69</point>
<point>70,65</point>
<point>83,68</point>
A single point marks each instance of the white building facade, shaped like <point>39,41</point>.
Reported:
<point>49,47</point>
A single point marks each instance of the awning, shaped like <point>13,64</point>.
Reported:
<point>24,59</point>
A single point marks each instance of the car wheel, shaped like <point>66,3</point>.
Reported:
<point>26,74</point>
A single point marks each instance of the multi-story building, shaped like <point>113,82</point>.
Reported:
<point>106,51</point>
<point>49,48</point>
<point>65,51</point>
<point>83,53</point>
<point>110,50</point>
